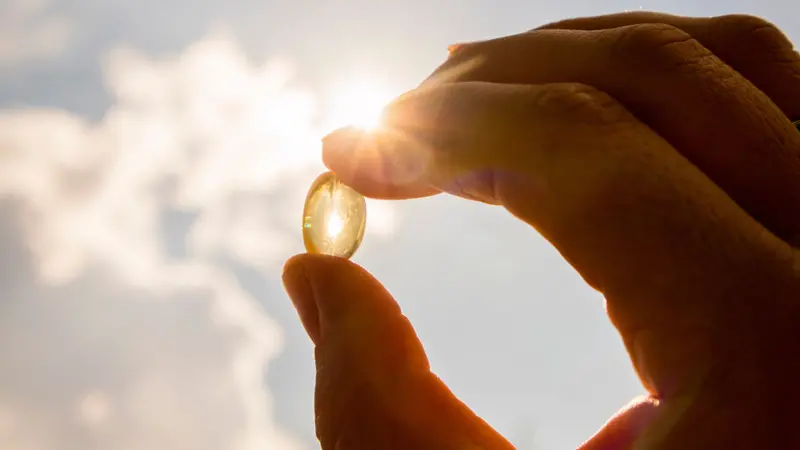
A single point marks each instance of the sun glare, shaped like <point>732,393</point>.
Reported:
<point>334,226</point>
<point>359,103</point>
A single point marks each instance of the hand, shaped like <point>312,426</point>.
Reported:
<point>657,155</point>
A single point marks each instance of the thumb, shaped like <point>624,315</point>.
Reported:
<point>374,384</point>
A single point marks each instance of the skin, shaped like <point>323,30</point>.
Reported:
<point>658,155</point>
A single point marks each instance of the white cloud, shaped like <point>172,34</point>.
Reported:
<point>29,31</point>
<point>206,133</point>
<point>95,408</point>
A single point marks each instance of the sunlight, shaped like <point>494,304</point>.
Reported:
<point>334,226</point>
<point>358,102</point>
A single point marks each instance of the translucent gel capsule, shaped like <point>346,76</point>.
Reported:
<point>334,217</point>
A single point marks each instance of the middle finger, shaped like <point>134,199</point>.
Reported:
<point>753,46</point>
<point>718,119</point>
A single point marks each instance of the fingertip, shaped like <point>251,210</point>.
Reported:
<point>301,292</point>
<point>314,262</point>
<point>292,265</point>
<point>342,146</point>
<point>340,288</point>
<point>325,288</point>
<point>348,152</point>
<point>377,163</point>
<point>341,142</point>
<point>627,427</point>
<point>320,270</point>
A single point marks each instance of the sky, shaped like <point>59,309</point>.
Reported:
<point>154,157</point>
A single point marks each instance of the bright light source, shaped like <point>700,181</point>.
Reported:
<point>334,226</point>
<point>359,103</point>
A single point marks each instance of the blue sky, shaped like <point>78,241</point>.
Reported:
<point>154,156</point>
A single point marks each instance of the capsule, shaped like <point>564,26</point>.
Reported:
<point>334,217</point>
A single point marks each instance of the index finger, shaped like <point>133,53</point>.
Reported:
<point>682,267</point>
<point>385,163</point>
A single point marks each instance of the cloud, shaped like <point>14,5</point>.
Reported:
<point>100,365</point>
<point>204,133</point>
<point>31,31</point>
<point>206,136</point>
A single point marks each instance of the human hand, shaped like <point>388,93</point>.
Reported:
<point>656,154</point>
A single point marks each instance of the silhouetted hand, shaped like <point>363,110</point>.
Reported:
<point>657,155</point>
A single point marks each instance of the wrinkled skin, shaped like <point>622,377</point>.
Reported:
<point>657,154</point>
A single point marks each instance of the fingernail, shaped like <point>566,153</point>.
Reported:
<point>452,48</point>
<point>301,292</point>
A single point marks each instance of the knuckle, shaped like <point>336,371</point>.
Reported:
<point>470,62</point>
<point>657,46</point>
<point>582,103</point>
<point>755,31</point>
<point>645,38</point>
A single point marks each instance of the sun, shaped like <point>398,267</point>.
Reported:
<point>359,102</point>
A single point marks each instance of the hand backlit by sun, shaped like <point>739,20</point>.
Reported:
<point>358,101</point>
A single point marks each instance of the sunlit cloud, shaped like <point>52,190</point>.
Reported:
<point>208,134</point>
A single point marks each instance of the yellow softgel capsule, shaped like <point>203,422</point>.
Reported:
<point>334,217</point>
